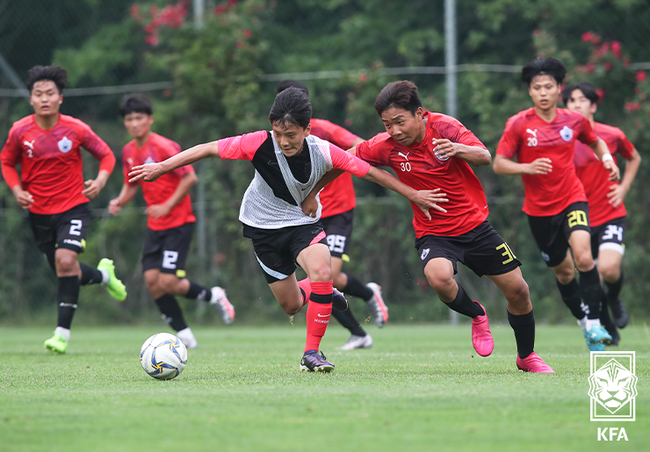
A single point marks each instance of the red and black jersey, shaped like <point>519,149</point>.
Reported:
<point>156,149</point>
<point>594,176</point>
<point>528,137</point>
<point>50,161</point>
<point>337,196</point>
<point>418,167</point>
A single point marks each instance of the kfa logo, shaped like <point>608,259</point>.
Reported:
<point>65,145</point>
<point>614,434</point>
<point>566,133</point>
<point>612,386</point>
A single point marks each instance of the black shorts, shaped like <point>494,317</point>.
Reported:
<point>167,250</point>
<point>339,229</point>
<point>62,230</point>
<point>608,236</point>
<point>482,250</point>
<point>276,249</point>
<point>552,233</point>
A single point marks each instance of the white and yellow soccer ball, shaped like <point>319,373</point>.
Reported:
<point>163,356</point>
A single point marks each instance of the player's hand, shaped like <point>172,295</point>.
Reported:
<point>93,187</point>
<point>24,198</point>
<point>444,149</point>
<point>540,166</point>
<point>310,206</point>
<point>429,199</point>
<point>114,206</point>
<point>616,195</point>
<point>157,210</point>
<point>614,172</point>
<point>148,172</point>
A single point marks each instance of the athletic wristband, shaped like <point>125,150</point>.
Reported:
<point>607,158</point>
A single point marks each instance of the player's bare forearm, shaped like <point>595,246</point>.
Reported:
<point>152,171</point>
<point>505,166</point>
<point>425,199</point>
<point>127,193</point>
<point>474,155</point>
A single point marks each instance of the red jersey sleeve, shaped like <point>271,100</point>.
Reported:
<point>624,147</point>
<point>587,134</point>
<point>333,133</point>
<point>453,130</point>
<point>242,147</point>
<point>348,162</point>
<point>95,145</point>
<point>10,158</point>
<point>168,149</point>
<point>510,140</point>
<point>376,150</point>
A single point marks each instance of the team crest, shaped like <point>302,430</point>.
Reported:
<point>149,160</point>
<point>425,253</point>
<point>438,157</point>
<point>612,386</point>
<point>65,145</point>
<point>566,133</point>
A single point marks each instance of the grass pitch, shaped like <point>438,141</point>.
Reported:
<point>420,388</point>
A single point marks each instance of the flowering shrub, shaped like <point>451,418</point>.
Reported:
<point>171,16</point>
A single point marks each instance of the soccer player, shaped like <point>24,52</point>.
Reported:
<point>542,138</point>
<point>170,220</point>
<point>606,209</point>
<point>47,147</point>
<point>338,201</point>
<point>432,151</point>
<point>288,164</point>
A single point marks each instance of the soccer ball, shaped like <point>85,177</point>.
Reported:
<point>163,356</point>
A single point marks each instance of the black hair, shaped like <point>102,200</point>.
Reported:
<point>543,66</point>
<point>587,89</point>
<point>136,103</point>
<point>55,74</point>
<point>402,94</point>
<point>291,106</point>
<point>284,84</point>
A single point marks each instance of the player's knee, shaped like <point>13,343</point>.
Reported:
<point>321,273</point>
<point>168,283</point>
<point>442,284</point>
<point>519,293</point>
<point>584,261</point>
<point>610,272</point>
<point>66,263</point>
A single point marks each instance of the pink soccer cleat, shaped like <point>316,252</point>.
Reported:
<point>481,335</point>
<point>533,363</point>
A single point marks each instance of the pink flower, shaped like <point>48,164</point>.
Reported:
<point>220,10</point>
<point>151,40</point>
<point>135,12</point>
<point>591,68</point>
<point>537,33</point>
<point>601,94</point>
<point>632,106</point>
<point>616,49</point>
<point>232,3</point>
<point>641,76</point>
<point>167,93</point>
<point>586,37</point>
<point>363,78</point>
<point>240,44</point>
<point>247,33</point>
<point>607,66</point>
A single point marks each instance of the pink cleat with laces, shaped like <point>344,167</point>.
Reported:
<point>481,335</point>
<point>533,363</point>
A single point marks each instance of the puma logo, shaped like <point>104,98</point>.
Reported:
<point>406,156</point>
<point>30,145</point>
<point>532,132</point>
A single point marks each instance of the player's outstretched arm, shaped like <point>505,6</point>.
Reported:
<point>474,155</point>
<point>503,165</point>
<point>152,171</point>
<point>424,199</point>
<point>602,151</point>
<point>127,193</point>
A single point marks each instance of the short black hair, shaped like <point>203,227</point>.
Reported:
<point>284,84</point>
<point>136,103</point>
<point>587,89</point>
<point>55,74</point>
<point>543,66</point>
<point>291,106</point>
<point>402,94</point>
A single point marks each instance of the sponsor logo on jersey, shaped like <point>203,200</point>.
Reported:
<point>29,144</point>
<point>73,242</point>
<point>64,145</point>
<point>566,133</point>
<point>406,156</point>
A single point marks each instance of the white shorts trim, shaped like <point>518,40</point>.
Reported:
<point>612,246</point>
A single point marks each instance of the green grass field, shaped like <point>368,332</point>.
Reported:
<point>420,388</point>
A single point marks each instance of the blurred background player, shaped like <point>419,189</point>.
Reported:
<point>47,147</point>
<point>289,162</point>
<point>606,208</point>
<point>543,138</point>
<point>338,202</point>
<point>432,151</point>
<point>170,220</point>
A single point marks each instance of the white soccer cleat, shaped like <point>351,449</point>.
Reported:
<point>222,305</point>
<point>357,342</point>
<point>187,338</point>
<point>377,305</point>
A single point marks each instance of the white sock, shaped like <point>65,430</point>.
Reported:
<point>63,332</point>
<point>105,276</point>
<point>592,323</point>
